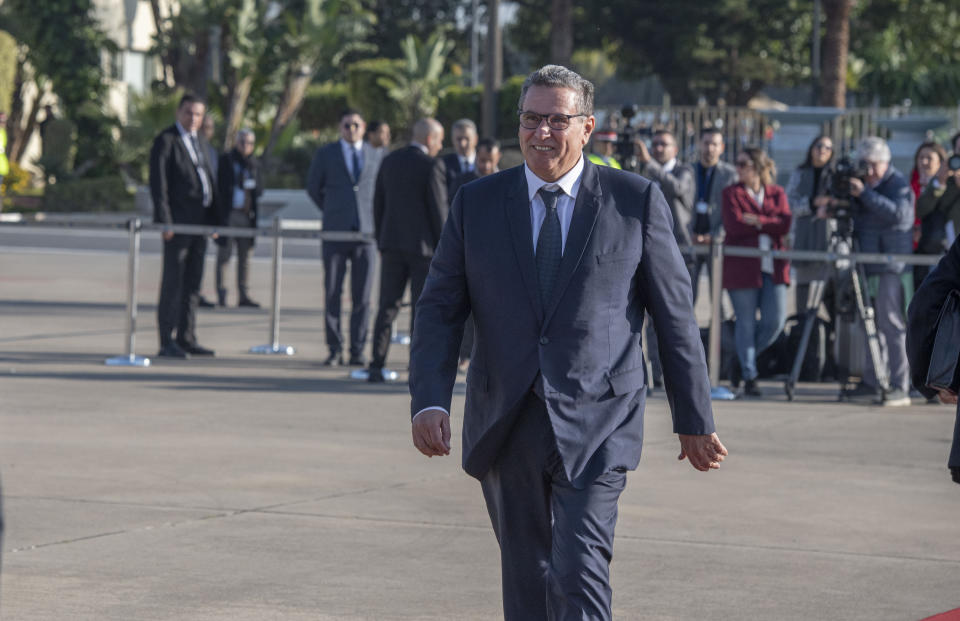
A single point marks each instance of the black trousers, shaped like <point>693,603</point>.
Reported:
<point>396,270</point>
<point>361,256</point>
<point>180,288</point>
<point>556,541</point>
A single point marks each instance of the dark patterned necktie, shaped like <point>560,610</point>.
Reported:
<point>549,246</point>
<point>357,169</point>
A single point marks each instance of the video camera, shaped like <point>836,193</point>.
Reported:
<point>844,205</point>
<point>627,136</point>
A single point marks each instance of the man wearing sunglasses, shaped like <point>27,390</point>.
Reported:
<point>341,183</point>
<point>557,260</point>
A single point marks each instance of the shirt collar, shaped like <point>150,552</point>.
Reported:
<point>569,183</point>
<point>351,145</point>
<point>422,147</point>
<point>184,132</point>
<point>670,165</point>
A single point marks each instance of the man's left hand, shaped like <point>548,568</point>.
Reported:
<point>856,187</point>
<point>705,452</point>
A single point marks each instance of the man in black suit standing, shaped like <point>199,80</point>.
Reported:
<point>340,182</point>
<point>409,208</point>
<point>184,192</point>
<point>463,133</point>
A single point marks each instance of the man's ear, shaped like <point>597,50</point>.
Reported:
<point>588,126</point>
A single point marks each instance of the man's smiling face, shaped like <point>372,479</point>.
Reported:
<point>551,153</point>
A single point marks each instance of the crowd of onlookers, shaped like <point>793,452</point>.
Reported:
<point>398,200</point>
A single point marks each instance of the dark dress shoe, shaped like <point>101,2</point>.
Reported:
<point>375,375</point>
<point>196,350</point>
<point>333,360</point>
<point>247,302</point>
<point>203,302</point>
<point>222,297</point>
<point>172,350</point>
<point>751,389</point>
<point>357,361</point>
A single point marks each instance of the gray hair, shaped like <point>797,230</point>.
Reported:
<point>873,149</point>
<point>465,124</point>
<point>555,76</point>
<point>244,132</point>
<point>424,128</point>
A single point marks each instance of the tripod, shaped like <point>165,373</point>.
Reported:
<point>849,278</point>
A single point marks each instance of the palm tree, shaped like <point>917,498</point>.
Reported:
<point>422,81</point>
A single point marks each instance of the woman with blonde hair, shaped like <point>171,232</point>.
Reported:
<point>755,215</point>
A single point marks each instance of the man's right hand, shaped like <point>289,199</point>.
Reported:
<point>431,432</point>
<point>167,235</point>
<point>948,397</point>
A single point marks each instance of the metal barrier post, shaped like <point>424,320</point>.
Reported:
<point>716,320</point>
<point>133,268</point>
<point>274,347</point>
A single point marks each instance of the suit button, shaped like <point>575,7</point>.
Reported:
<point>356,188</point>
<point>544,340</point>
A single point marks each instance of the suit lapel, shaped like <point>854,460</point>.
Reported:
<point>517,205</point>
<point>585,212</point>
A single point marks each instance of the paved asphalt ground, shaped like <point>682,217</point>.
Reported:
<point>264,488</point>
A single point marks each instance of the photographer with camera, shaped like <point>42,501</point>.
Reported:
<point>938,208</point>
<point>881,206</point>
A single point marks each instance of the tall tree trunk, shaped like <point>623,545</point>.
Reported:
<point>561,32</point>
<point>492,70</point>
<point>158,23</point>
<point>836,45</point>
<point>294,91</point>
<point>236,108</point>
<point>15,145</point>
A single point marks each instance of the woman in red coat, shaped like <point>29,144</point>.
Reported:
<point>755,215</point>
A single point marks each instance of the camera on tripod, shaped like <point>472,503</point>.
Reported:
<point>843,206</point>
<point>627,137</point>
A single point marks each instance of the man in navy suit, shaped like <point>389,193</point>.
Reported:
<point>557,260</point>
<point>341,183</point>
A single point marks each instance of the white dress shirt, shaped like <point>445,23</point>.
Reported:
<point>570,185</point>
<point>347,148</point>
<point>205,182</point>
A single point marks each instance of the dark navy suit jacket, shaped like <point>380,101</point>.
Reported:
<point>922,328</point>
<point>620,258</point>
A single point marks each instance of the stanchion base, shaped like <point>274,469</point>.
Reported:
<point>364,374</point>
<point>721,393</point>
<point>127,361</point>
<point>284,350</point>
<point>400,339</point>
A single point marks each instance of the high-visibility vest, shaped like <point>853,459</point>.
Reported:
<point>600,160</point>
<point>4,162</point>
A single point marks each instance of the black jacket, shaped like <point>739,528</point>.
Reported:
<point>410,202</point>
<point>922,327</point>
<point>175,186</point>
<point>227,181</point>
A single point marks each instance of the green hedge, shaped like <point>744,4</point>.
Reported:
<point>460,102</point>
<point>322,106</point>
<point>96,194</point>
<point>371,99</point>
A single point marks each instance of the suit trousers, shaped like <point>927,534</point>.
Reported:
<point>361,256</point>
<point>556,541</point>
<point>180,288</point>
<point>396,270</point>
<point>238,219</point>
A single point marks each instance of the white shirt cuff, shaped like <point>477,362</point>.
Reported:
<point>435,407</point>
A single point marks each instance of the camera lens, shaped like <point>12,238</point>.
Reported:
<point>954,162</point>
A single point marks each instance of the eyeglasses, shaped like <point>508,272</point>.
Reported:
<point>743,164</point>
<point>660,143</point>
<point>824,146</point>
<point>556,121</point>
<point>351,125</point>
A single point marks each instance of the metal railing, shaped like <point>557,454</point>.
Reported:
<point>311,229</point>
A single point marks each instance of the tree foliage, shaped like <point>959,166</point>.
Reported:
<point>906,49</point>
<point>66,45</point>
<point>418,86</point>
